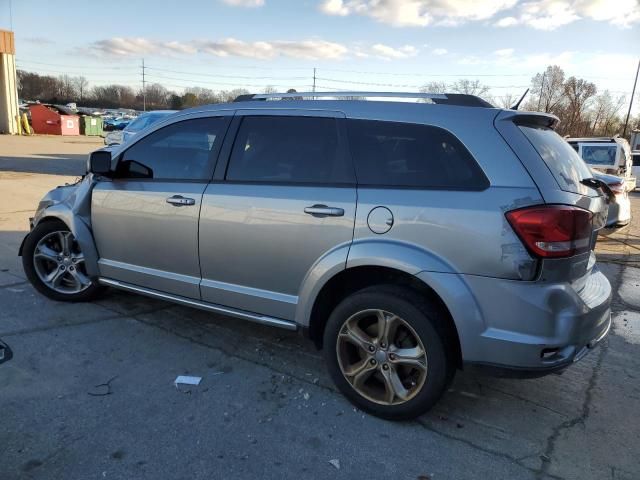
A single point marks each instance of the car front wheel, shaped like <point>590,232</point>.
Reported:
<point>55,265</point>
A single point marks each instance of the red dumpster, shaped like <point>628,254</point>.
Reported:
<point>50,120</point>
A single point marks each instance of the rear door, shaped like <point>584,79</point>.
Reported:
<point>286,198</point>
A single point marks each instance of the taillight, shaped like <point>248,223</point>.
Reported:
<point>617,188</point>
<point>553,231</point>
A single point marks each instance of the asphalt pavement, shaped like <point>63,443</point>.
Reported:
<point>90,392</point>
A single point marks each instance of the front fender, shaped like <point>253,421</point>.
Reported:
<point>72,206</point>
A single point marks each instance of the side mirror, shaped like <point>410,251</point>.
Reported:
<point>99,162</point>
<point>5,352</point>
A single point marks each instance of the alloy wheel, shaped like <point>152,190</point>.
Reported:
<point>59,263</point>
<point>382,357</point>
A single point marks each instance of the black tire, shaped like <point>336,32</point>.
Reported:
<point>427,320</point>
<point>40,231</point>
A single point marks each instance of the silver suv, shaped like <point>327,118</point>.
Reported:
<point>406,239</point>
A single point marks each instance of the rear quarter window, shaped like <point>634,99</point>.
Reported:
<point>396,154</point>
<point>564,162</point>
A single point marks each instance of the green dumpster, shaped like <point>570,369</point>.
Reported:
<point>90,125</point>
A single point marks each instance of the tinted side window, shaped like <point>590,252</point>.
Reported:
<point>181,151</point>
<point>288,149</point>
<point>409,155</point>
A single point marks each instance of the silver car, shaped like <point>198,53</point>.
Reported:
<point>407,240</point>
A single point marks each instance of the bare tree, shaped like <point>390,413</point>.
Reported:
<point>157,96</point>
<point>66,88</point>
<point>81,85</point>
<point>270,89</point>
<point>578,93</point>
<point>605,112</point>
<point>434,87</point>
<point>547,90</point>
<point>507,100</point>
<point>469,87</point>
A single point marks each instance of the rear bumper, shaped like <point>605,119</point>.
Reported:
<point>619,212</point>
<point>532,327</point>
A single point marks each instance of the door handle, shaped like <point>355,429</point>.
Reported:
<point>324,211</point>
<point>180,201</point>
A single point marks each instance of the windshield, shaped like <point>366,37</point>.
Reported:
<point>565,164</point>
<point>144,121</point>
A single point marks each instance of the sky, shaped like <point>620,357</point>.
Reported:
<point>373,45</point>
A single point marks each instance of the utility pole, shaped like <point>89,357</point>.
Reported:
<point>544,75</point>
<point>633,93</point>
<point>144,90</point>
<point>314,79</point>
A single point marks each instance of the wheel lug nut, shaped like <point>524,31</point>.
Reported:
<point>385,366</point>
<point>59,259</point>
<point>372,348</point>
<point>61,267</point>
<point>71,268</point>
<point>383,345</point>
<point>372,361</point>
<point>392,356</point>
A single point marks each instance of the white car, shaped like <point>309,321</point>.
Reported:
<point>610,155</point>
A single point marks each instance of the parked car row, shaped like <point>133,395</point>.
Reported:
<point>612,162</point>
<point>130,129</point>
<point>385,231</point>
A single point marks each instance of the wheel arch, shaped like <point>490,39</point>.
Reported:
<point>80,230</point>
<point>356,278</point>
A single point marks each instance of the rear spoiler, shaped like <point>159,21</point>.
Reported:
<point>531,118</point>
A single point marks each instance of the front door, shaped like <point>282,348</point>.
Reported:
<point>145,220</point>
<point>288,198</point>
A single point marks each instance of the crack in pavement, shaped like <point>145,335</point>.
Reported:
<point>586,404</point>
<point>488,451</point>
<point>579,420</point>
<point>420,422</point>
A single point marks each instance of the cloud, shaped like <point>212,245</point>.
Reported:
<point>439,51</point>
<point>389,53</point>
<point>504,52</point>
<point>136,46</point>
<point>311,49</point>
<point>245,3</point>
<point>38,40</point>
<point>552,14</point>
<point>418,13</point>
<point>528,62</point>
<point>306,49</point>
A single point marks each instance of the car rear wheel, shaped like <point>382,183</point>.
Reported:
<point>55,265</point>
<point>386,352</point>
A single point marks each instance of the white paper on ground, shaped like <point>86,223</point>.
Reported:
<point>186,380</point>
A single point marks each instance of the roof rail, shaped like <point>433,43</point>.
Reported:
<point>457,99</point>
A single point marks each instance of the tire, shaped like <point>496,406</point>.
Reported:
<point>85,289</point>
<point>356,318</point>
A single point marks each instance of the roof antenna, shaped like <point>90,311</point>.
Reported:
<point>515,107</point>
